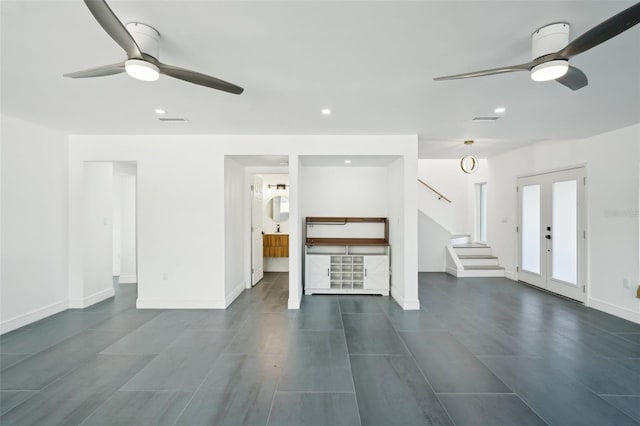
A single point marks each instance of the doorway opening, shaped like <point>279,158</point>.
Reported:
<point>269,225</point>
<point>109,231</point>
<point>552,231</point>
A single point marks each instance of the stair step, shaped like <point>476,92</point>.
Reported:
<point>483,267</point>
<point>476,256</point>
<point>471,245</point>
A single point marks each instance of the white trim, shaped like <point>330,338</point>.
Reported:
<point>293,303</point>
<point>601,305</point>
<point>411,305</point>
<point>276,268</point>
<point>239,288</point>
<point>452,271</point>
<point>513,276</point>
<point>92,299</point>
<point>553,170</point>
<point>432,268</point>
<point>33,316</point>
<point>180,304</point>
<point>128,279</point>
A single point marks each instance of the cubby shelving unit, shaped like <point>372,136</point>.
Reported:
<point>343,260</point>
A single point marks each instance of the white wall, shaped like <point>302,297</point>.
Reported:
<point>97,231</point>
<point>612,208</point>
<point>181,217</point>
<point>33,282</point>
<point>432,239</point>
<point>128,270</point>
<point>234,195</point>
<point>446,177</point>
<point>344,191</point>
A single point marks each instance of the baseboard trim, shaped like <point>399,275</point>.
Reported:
<point>92,299</point>
<point>432,268</point>
<point>239,288</point>
<point>278,269</point>
<point>617,311</point>
<point>128,279</point>
<point>411,305</point>
<point>32,316</point>
<point>513,276</point>
<point>451,271</point>
<point>295,303</point>
<point>180,303</point>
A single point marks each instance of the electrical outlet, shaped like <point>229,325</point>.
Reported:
<point>165,276</point>
<point>625,283</point>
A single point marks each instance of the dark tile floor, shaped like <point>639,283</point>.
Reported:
<point>480,351</point>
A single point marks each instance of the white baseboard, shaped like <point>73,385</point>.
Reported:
<point>276,268</point>
<point>432,268</point>
<point>128,279</point>
<point>32,316</point>
<point>513,276</point>
<point>92,299</point>
<point>629,315</point>
<point>234,294</point>
<point>411,305</point>
<point>180,303</point>
<point>451,271</point>
<point>295,303</point>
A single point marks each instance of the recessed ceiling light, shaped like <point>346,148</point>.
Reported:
<point>160,111</point>
<point>347,161</point>
<point>326,111</point>
<point>499,110</point>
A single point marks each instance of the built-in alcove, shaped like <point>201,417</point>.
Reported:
<point>364,186</point>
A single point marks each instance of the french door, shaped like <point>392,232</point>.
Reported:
<point>551,230</point>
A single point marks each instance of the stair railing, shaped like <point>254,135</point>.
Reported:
<point>440,196</point>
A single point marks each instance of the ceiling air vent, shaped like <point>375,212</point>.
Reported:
<point>173,120</point>
<point>485,118</point>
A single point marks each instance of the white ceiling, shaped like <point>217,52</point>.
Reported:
<point>371,62</point>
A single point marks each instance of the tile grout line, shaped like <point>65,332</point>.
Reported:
<point>424,376</point>
<point>353,382</point>
<point>203,381</point>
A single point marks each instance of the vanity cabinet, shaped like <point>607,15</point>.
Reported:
<point>346,265</point>
<point>275,245</point>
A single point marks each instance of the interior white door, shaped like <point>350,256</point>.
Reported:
<point>552,232</point>
<point>257,268</point>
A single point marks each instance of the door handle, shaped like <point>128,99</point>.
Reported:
<point>548,237</point>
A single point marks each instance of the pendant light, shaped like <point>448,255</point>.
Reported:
<point>469,163</point>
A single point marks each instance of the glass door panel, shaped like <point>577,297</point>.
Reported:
<point>564,225</point>
<point>530,260</point>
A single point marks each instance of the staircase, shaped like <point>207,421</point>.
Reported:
<point>467,259</point>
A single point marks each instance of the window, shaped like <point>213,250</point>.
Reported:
<point>482,212</point>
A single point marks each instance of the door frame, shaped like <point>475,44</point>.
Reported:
<point>583,227</point>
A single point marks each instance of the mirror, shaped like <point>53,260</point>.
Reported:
<point>279,209</point>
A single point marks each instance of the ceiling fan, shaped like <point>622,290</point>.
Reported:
<point>551,50</point>
<point>140,42</point>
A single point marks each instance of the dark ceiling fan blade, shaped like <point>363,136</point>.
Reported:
<point>112,25</point>
<point>574,79</point>
<point>198,78</point>
<point>98,71</point>
<point>493,71</point>
<point>602,32</point>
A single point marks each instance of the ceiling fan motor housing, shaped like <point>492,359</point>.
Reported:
<point>147,38</point>
<point>549,39</point>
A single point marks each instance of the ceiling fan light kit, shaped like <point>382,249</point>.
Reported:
<point>142,70</point>
<point>141,44</point>
<point>551,50</point>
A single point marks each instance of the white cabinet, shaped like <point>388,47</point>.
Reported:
<point>317,271</point>
<point>376,272</point>
<point>347,273</point>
